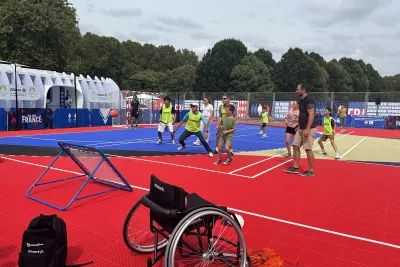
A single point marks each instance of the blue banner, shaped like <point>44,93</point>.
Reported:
<point>369,122</point>
<point>30,118</point>
<point>100,117</point>
<point>3,120</point>
<point>66,118</point>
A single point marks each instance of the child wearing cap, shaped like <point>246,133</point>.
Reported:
<point>193,119</point>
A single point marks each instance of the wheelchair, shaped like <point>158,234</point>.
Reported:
<point>183,229</point>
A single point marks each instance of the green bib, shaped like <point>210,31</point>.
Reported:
<point>166,115</point>
<point>328,126</point>
<point>193,123</point>
<point>264,117</point>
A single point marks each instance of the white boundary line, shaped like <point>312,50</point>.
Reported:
<point>246,212</point>
<point>348,151</point>
<point>177,165</point>
<point>280,164</point>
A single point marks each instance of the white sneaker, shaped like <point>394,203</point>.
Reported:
<point>173,142</point>
<point>196,143</point>
<point>159,142</point>
<point>261,132</point>
<point>264,136</point>
<point>181,147</point>
<point>337,156</point>
<point>210,154</point>
<point>323,152</point>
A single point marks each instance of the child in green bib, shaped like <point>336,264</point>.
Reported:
<point>192,119</point>
<point>329,132</point>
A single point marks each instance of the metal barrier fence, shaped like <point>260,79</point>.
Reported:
<point>249,104</point>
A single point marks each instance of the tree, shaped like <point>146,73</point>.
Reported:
<point>296,67</point>
<point>251,75</point>
<point>183,79</point>
<point>318,58</point>
<point>266,57</point>
<point>392,83</point>
<point>376,83</point>
<point>339,78</point>
<point>359,81</point>
<point>213,72</point>
<point>99,55</point>
<point>38,33</point>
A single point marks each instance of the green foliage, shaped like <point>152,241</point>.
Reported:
<point>213,72</point>
<point>45,34</point>
<point>359,81</point>
<point>251,75</point>
<point>39,33</point>
<point>339,78</point>
<point>296,67</point>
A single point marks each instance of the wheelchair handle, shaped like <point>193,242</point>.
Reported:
<point>169,213</point>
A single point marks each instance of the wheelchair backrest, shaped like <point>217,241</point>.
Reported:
<point>166,195</point>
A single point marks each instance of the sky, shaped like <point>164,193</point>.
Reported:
<point>361,29</point>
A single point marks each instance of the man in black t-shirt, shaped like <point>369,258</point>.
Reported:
<point>135,109</point>
<point>306,133</point>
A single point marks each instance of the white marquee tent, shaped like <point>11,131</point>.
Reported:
<point>50,89</point>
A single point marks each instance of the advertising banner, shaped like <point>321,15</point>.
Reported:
<point>369,122</point>
<point>393,123</point>
<point>100,117</point>
<point>3,120</point>
<point>8,92</point>
<point>281,108</point>
<point>30,118</point>
<point>66,118</point>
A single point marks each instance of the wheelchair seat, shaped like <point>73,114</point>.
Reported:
<point>168,203</point>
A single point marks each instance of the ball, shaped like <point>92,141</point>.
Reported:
<point>114,113</point>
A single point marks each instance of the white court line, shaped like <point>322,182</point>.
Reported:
<point>348,151</point>
<point>247,212</point>
<point>177,165</point>
<point>280,164</point>
<point>258,162</point>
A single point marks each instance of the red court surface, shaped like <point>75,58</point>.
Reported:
<point>347,215</point>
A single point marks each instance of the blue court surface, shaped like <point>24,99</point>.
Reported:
<point>246,138</point>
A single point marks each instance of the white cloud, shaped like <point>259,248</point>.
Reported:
<point>366,29</point>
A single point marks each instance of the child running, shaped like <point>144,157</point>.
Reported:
<point>192,119</point>
<point>292,122</point>
<point>264,122</point>
<point>329,132</point>
<point>228,126</point>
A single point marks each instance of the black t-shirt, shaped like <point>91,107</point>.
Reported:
<point>305,104</point>
<point>135,105</point>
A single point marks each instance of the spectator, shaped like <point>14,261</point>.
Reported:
<point>306,133</point>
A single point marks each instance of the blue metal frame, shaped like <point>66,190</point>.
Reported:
<point>90,176</point>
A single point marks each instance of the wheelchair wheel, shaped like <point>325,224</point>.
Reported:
<point>207,236</point>
<point>137,233</point>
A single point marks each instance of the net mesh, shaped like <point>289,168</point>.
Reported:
<point>88,159</point>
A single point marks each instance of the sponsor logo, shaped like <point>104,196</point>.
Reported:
<point>159,187</point>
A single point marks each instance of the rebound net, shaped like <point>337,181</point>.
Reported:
<point>96,167</point>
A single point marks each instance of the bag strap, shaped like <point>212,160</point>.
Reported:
<point>82,264</point>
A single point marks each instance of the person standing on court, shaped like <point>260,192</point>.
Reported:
<point>342,111</point>
<point>167,119</point>
<point>208,112</point>
<point>225,104</point>
<point>135,109</point>
<point>192,119</point>
<point>306,132</point>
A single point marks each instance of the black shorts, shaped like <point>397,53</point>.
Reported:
<point>290,130</point>
<point>263,124</point>
<point>134,114</point>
